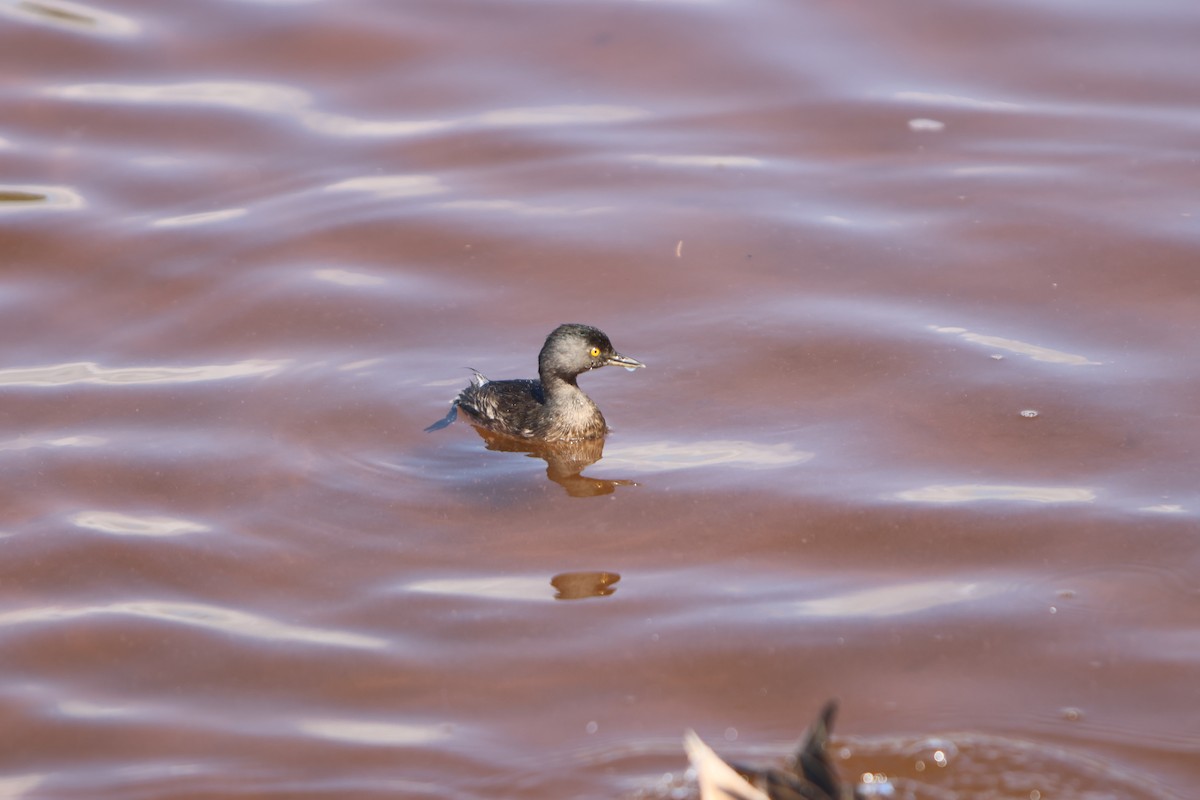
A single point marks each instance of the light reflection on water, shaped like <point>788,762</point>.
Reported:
<point>16,199</point>
<point>119,524</point>
<point>225,620</point>
<point>29,442</point>
<point>70,16</point>
<point>1033,351</point>
<point>394,734</point>
<point>564,586</point>
<point>494,587</point>
<point>390,186</point>
<point>945,100</point>
<point>19,786</point>
<point>203,218</point>
<point>977,492</point>
<point>1166,508</point>
<point>674,455</point>
<point>521,208</point>
<point>891,601</point>
<point>345,277</point>
<point>90,372</point>
<point>704,161</point>
<point>295,103</point>
<point>82,709</point>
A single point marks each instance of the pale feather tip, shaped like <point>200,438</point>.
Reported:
<point>718,780</point>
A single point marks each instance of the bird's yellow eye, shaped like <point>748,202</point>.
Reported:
<point>595,351</point>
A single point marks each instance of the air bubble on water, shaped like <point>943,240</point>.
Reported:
<point>874,784</point>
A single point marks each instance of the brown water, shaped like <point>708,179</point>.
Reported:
<point>249,249</point>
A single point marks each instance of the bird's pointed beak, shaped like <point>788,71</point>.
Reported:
<point>618,360</point>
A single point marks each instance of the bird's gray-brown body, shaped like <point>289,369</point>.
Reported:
<point>552,408</point>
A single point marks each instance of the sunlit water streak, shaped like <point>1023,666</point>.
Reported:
<point>223,620</point>
<point>668,455</point>
<point>86,372</point>
<point>267,98</point>
<point>17,199</point>
<point>1033,351</point>
<point>70,16</point>
<point>972,493</point>
<point>118,524</point>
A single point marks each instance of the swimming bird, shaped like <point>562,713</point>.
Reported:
<point>552,408</point>
<point>808,775</point>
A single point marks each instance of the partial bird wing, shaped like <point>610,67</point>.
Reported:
<point>718,780</point>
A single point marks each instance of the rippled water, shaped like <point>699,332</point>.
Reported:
<point>917,284</point>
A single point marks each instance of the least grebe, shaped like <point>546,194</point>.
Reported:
<point>809,774</point>
<point>552,409</point>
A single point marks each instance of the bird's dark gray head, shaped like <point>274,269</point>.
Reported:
<point>572,349</point>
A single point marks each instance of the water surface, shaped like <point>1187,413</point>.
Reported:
<point>917,287</point>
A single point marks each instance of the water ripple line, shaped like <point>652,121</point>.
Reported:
<point>891,601</point>
<point>391,734</point>
<point>667,455</point>
<point>225,620</point>
<point>1034,351</point>
<point>91,372</point>
<point>70,16</point>
<point>255,96</point>
<point>118,524</point>
<point>977,492</point>
<point>36,197</point>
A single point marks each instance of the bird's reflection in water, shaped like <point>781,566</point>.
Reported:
<point>580,585</point>
<point>565,461</point>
